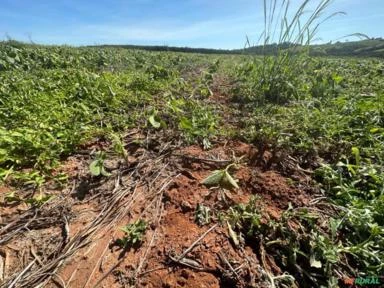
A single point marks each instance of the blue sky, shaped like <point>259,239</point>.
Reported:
<point>193,23</point>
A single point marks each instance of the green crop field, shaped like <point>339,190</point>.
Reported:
<point>131,122</point>
<point>125,167</point>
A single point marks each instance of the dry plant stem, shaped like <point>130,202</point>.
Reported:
<point>317,200</point>
<point>151,270</point>
<point>143,259</point>
<point>98,283</point>
<point>159,210</point>
<point>36,257</point>
<point>2,266</point>
<point>204,159</point>
<point>15,232</point>
<point>119,217</point>
<point>225,260</point>
<point>61,281</point>
<point>182,255</point>
<point>72,275</point>
<point>97,264</point>
<point>6,227</point>
<point>187,262</point>
<point>149,246</point>
<point>79,241</point>
<point>14,282</point>
<point>66,230</point>
<point>111,225</point>
<point>272,279</point>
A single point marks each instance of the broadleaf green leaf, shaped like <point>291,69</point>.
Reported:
<point>229,179</point>
<point>154,122</point>
<point>214,178</point>
<point>185,123</point>
<point>95,168</point>
<point>104,172</point>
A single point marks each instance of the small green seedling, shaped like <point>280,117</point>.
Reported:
<point>97,166</point>
<point>155,121</point>
<point>134,233</point>
<point>245,217</point>
<point>118,146</point>
<point>12,197</point>
<point>221,178</point>
<point>202,215</point>
<point>37,201</point>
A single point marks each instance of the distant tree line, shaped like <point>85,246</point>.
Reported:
<point>373,47</point>
<point>172,49</point>
<point>365,48</point>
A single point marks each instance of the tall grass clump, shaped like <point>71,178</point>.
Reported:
<point>288,32</point>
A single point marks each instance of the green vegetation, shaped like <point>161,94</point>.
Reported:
<point>97,166</point>
<point>323,116</point>
<point>33,201</point>
<point>373,47</point>
<point>134,233</point>
<point>54,99</point>
<point>221,178</point>
<point>327,115</point>
<point>202,215</point>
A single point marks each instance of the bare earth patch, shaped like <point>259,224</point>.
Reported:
<point>76,247</point>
